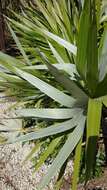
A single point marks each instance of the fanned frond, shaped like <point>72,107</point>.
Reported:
<point>59,81</point>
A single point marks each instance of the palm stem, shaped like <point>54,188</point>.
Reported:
<point>93,129</point>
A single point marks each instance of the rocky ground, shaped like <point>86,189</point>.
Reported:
<point>13,174</point>
<point>16,176</point>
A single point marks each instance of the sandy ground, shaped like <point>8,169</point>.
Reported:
<point>16,176</point>
<point>13,174</point>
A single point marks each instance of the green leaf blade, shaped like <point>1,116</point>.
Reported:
<point>68,147</point>
<point>83,40</point>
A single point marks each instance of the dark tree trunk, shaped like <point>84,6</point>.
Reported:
<point>2,36</point>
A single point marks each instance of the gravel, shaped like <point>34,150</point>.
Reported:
<point>16,176</point>
<point>13,174</point>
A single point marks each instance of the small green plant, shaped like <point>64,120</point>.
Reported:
<point>66,44</point>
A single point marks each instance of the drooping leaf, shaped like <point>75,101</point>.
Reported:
<point>69,68</point>
<point>65,151</point>
<point>70,47</point>
<point>64,80</point>
<point>52,130</point>
<point>47,113</point>
<point>51,91</point>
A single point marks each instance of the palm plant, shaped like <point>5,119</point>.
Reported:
<point>68,45</point>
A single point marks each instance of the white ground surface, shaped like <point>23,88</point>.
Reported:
<point>16,176</point>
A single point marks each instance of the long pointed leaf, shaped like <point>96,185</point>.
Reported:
<point>52,92</point>
<point>66,150</point>
<point>65,81</point>
<point>70,47</point>
<point>47,152</point>
<point>83,39</point>
<point>77,165</point>
<point>68,67</point>
<point>19,45</point>
<point>92,51</point>
<point>52,130</point>
<point>47,113</point>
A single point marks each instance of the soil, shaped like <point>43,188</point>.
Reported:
<point>97,184</point>
<point>13,174</point>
